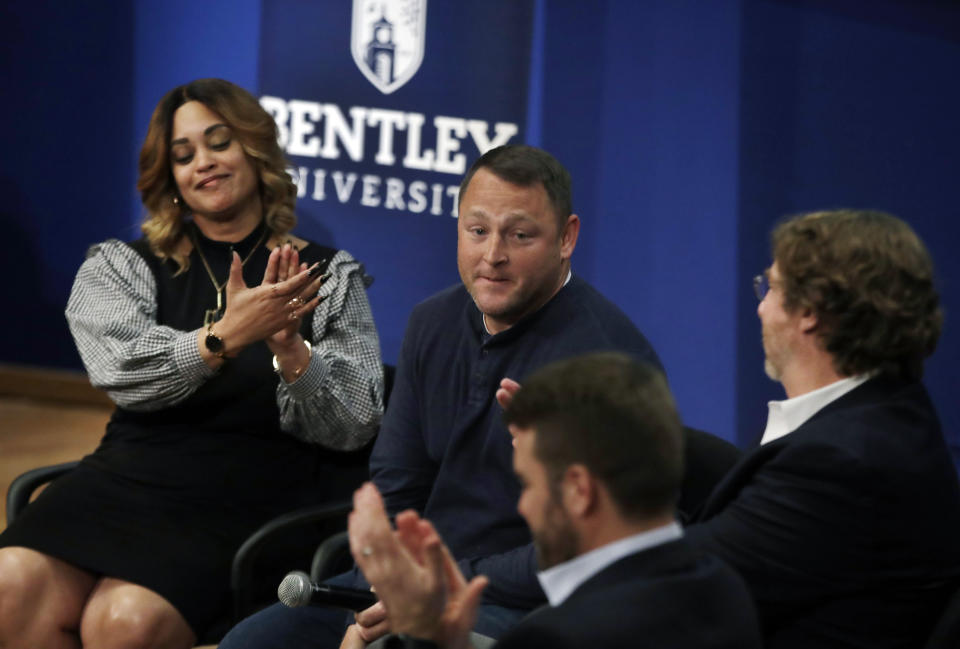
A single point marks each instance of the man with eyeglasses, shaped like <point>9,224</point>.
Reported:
<point>845,522</point>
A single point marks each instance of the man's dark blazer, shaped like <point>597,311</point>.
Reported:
<point>667,596</point>
<point>847,530</point>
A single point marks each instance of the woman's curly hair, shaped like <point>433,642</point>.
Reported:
<point>256,132</point>
<point>868,279</point>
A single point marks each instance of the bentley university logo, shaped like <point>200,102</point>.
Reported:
<point>387,44</point>
<point>386,40</point>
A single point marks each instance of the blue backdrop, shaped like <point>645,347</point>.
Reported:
<point>378,173</point>
<point>689,128</point>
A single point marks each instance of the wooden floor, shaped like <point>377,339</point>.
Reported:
<point>35,433</point>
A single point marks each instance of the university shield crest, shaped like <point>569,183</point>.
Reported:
<point>387,40</point>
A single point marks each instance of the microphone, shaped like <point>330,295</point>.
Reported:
<point>297,590</point>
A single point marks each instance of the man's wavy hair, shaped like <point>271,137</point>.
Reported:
<point>256,132</point>
<point>868,279</point>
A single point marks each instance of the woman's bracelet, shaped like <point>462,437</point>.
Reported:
<point>297,372</point>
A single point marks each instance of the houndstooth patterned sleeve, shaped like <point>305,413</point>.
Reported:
<point>112,314</point>
<point>338,400</point>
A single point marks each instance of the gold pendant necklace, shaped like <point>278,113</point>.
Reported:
<point>212,315</point>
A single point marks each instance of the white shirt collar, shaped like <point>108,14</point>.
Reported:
<point>784,417</point>
<point>483,316</point>
<point>562,579</point>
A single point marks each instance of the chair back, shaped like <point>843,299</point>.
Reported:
<point>25,484</point>
<point>946,633</point>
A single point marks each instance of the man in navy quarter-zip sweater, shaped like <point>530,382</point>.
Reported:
<point>845,522</point>
<point>443,449</point>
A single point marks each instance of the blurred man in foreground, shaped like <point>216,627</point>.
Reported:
<point>598,452</point>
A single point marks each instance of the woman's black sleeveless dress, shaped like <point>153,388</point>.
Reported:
<point>168,496</point>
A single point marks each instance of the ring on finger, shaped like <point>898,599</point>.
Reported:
<point>296,302</point>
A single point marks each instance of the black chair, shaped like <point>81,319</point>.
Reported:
<point>707,459</point>
<point>946,633</point>
<point>24,485</point>
<point>332,519</point>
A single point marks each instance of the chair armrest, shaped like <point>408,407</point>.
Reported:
<point>328,557</point>
<point>23,486</point>
<point>241,573</point>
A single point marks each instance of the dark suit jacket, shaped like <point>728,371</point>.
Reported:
<point>666,597</point>
<point>847,530</point>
